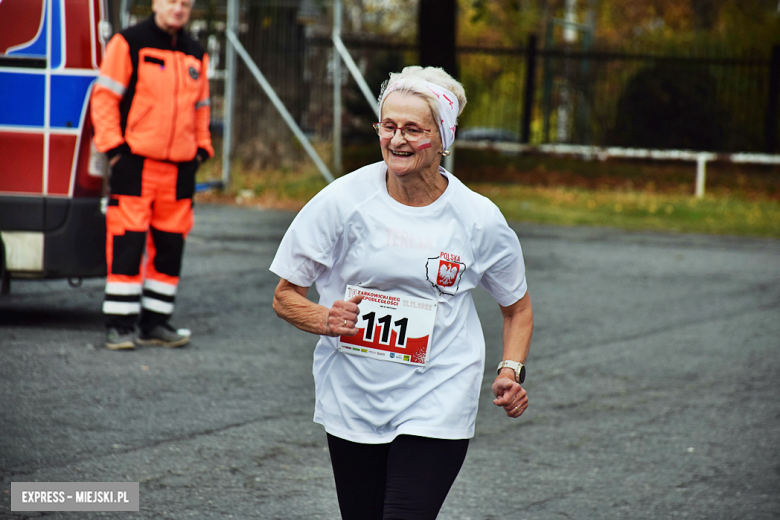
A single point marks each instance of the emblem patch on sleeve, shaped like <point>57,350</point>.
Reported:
<point>444,273</point>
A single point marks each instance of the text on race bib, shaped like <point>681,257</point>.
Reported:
<point>391,327</point>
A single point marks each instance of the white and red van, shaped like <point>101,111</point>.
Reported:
<point>51,177</point>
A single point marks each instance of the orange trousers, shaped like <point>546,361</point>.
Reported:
<point>148,218</point>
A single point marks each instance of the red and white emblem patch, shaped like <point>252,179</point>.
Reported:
<point>444,272</point>
<point>448,273</point>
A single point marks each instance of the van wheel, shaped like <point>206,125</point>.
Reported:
<point>5,276</point>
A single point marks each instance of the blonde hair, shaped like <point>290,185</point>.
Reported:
<point>433,75</point>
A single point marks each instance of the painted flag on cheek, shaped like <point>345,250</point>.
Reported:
<point>424,143</point>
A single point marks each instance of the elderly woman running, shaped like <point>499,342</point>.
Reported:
<point>395,249</point>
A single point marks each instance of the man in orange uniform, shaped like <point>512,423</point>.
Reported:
<point>150,109</point>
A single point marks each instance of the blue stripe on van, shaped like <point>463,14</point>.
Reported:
<point>68,94</point>
<point>22,99</point>
<point>56,34</point>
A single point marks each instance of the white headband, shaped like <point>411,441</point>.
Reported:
<point>446,102</point>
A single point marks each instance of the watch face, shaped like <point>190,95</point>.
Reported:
<point>521,375</point>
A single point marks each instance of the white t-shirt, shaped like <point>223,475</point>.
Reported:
<point>353,232</point>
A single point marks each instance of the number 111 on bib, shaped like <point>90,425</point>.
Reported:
<point>391,327</point>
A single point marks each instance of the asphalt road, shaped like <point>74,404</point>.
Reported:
<point>654,382</point>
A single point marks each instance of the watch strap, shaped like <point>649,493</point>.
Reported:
<point>518,367</point>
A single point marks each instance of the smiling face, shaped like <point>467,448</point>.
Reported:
<point>171,15</point>
<point>404,158</point>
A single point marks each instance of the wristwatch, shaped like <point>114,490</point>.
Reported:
<point>519,369</point>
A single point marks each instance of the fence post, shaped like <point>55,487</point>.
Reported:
<point>701,174</point>
<point>530,77</point>
<point>230,92</point>
<point>548,82</point>
<point>770,124</point>
<point>337,163</point>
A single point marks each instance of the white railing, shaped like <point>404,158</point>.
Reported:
<point>603,153</point>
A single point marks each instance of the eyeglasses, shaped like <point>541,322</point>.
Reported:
<point>410,133</point>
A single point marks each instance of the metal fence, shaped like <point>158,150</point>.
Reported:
<point>296,55</point>
<point>605,98</point>
<point>721,104</point>
<point>575,95</point>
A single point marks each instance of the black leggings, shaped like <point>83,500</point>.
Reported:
<point>407,479</point>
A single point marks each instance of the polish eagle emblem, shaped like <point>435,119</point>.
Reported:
<point>447,274</point>
<point>444,274</point>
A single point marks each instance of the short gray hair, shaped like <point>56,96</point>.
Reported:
<point>433,75</point>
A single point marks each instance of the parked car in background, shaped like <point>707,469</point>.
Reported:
<point>51,176</point>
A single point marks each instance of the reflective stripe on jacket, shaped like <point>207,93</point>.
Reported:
<point>153,95</point>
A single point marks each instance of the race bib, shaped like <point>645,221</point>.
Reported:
<point>391,327</point>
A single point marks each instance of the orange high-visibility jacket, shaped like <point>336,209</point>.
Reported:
<point>153,95</point>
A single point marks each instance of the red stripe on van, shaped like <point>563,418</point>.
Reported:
<point>77,36</point>
<point>61,150</point>
<point>22,154</point>
<point>26,16</point>
<point>97,4</point>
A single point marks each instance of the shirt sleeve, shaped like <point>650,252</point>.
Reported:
<point>501,258</point>
<point>115,72</point>
<point>309,246</point>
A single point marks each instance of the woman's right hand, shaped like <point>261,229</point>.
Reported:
<point>292,305</point>
<point>343,317</point>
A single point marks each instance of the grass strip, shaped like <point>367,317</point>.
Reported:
<point>716,213</point>
<point>636,210</point>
